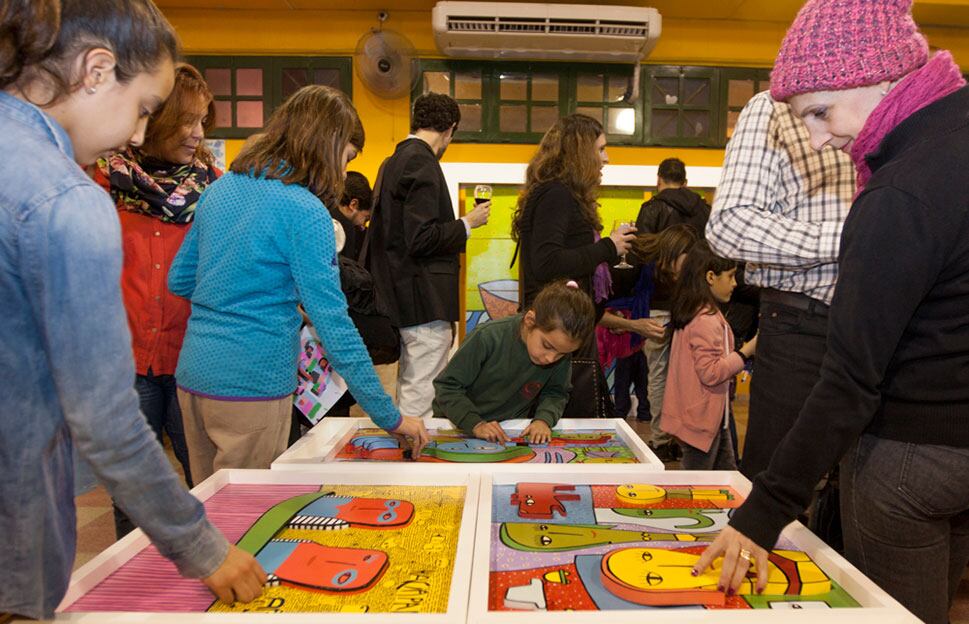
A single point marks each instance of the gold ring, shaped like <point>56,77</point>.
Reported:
<point>745,554</point>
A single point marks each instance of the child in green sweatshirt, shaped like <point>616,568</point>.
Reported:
<point>517,367</point>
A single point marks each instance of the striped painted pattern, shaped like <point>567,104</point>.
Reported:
<point>149,582</point>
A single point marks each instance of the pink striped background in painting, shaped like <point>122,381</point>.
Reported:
<point>149,582</point>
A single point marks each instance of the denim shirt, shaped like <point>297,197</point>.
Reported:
<point>67,375</point>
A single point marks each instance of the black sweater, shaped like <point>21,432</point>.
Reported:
<point>897,361</point>
<point>557,242</point>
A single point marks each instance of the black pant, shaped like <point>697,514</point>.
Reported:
<point>590,396</point>
<point>790,348</point>
<point>631,371</point>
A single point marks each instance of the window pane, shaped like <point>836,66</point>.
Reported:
<point>249,115</point>
<point>514,87</point>
<point>592,111</point>
<point>219,81</point>
<point>327,76</point>
<point>589,87</point>
<point>739,92</point>
<point>470,118</point>
<point>666,91</point>
<point>696,124</point>
<point>223,114</point>
<point>617,88</point>
<point>622,121</point>
<point>467,85</point>
<point>545,88</point>
<point>664,124</point>
<point>513,118</point>
<point>696,92</point>
<point>544,117</point>
<point>249,82</point>
<point>732,117</point>
<point>293,80</point>
<point>437,82</point>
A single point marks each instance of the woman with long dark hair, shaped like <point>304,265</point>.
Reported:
<point>79,79</point>
<point>557,226</point>
<point>892,402</point>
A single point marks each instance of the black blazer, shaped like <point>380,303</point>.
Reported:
<point>557,242</point>
<point>416,239</point>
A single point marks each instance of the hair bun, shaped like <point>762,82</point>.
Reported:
<point>572,284</point>
<point>28,30</point>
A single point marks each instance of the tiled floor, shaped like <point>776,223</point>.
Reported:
<point>95,520</point>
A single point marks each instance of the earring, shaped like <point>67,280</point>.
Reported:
<point>91,90</point>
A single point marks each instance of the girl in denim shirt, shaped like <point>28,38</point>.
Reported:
<point>79,78</point>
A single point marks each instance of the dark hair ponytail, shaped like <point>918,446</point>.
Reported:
<point>692,293</point>
<point>559,306</point>
<point>134,30</point>
<point>28,29</point>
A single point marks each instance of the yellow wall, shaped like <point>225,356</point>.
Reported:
<point>326,33</point>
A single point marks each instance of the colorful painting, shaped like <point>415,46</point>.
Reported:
<point>318,385</point>
<point>563,547</point>
<point>574,446</point>
<point>341,548</point>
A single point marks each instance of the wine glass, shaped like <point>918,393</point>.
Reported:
<point>622,223</point>
<point>482,193</point>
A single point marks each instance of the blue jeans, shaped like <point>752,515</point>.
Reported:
<point>905,509</point>
<point>719,457</point>
<point>158,401</point>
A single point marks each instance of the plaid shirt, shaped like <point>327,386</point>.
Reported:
<point>780,204</point>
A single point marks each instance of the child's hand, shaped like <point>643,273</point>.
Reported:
<point>412,435</point>
<point>537,433</point>
<point>490,431</point>
<point>750,346</point>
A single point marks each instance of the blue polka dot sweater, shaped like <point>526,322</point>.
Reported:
<point>258,248</point>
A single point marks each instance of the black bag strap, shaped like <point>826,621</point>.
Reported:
<point>377,185</point>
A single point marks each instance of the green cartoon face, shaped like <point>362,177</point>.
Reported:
<point>558,537</point>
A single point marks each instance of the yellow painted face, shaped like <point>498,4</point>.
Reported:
<point>648,568</point>
<point>641,493</point>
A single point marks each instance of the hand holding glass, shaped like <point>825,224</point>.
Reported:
<point>623,226</point>
<point>482,193</point>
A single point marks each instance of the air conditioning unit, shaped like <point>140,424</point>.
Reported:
<point>563,32</point>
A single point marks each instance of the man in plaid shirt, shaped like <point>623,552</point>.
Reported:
<point>780,207</point>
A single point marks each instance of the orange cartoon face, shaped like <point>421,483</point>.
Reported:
<point>323,568</point>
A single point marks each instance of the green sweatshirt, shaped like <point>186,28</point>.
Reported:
<point>492,378</point>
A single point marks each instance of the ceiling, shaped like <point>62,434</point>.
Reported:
<point>946,13</point>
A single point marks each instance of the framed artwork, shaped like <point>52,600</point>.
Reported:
<point>576,442</point>
<point>357,546</point>
<point>561,546</point>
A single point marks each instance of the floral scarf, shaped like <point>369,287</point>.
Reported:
<point>931,82</point>
<point>161,190</point>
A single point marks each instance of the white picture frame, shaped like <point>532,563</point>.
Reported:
<point>321,444</point>
<point>877,607</point>
<point>91,574</point>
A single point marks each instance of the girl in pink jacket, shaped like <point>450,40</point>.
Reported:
<point>696,406</point>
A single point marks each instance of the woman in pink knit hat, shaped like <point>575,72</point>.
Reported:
<point>892,403</point>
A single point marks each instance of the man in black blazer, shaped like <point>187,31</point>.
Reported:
<point>414,248</point>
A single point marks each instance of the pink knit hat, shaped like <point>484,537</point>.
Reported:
<point>843,44</point>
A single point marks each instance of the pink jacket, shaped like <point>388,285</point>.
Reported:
<point>698,383</point>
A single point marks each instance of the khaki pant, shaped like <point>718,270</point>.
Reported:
<point>233,434</point>
<point>423,355</point>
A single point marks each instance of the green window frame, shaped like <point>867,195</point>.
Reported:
<point>279,77</point>
<point>677,106</point>
<point>737,86</point>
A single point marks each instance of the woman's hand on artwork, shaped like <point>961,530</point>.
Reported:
<point>538,432</point>
<point>490,431</point>
<point>622,237</point>
<point>412,432</point>
<point>739,554</point>
<point>240,578</point>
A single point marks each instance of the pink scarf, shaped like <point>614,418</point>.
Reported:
<point>929,83</point>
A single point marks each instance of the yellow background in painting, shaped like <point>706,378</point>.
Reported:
<point>421,557</point>
<point>490,248</point>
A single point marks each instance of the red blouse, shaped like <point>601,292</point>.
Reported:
<point>156,317</point>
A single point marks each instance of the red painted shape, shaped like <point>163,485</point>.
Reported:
<point>541,500</point>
